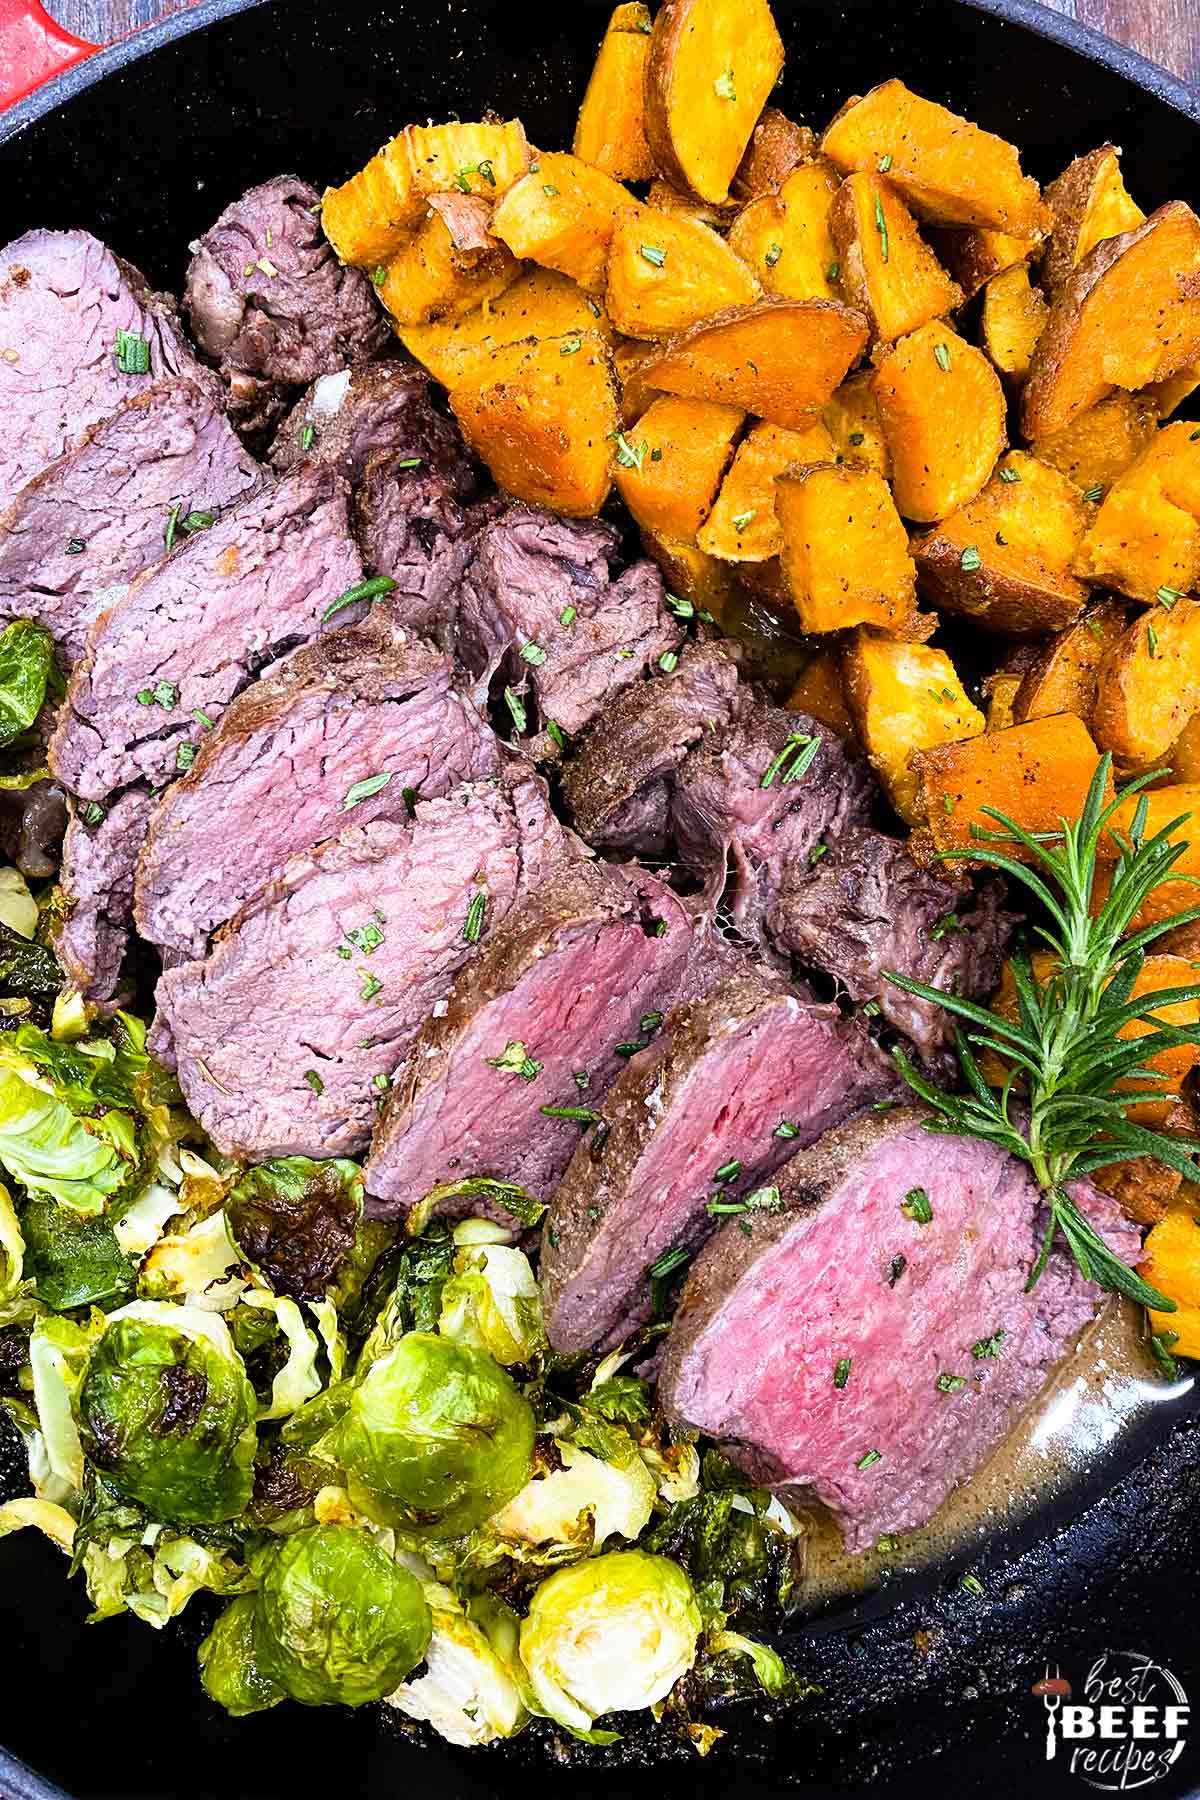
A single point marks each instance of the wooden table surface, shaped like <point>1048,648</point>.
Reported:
<point>1167,31</point>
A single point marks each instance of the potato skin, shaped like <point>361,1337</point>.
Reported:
<point>1149,687</point>
<point>1070,198</point>
<point>1063,677</point>
<point>776,148</point>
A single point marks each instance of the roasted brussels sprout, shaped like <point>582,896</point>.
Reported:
<point>612,1634</point>
<point>337,1622</point>
<point>229,1669</point>
<point>296,1219</point>
<point>167,1412</point>
<point>470,1688</point>
<point>437,1436</point>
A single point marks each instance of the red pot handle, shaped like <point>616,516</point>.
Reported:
<point>33,49</point>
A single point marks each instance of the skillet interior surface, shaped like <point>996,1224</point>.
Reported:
<point>145,157</point>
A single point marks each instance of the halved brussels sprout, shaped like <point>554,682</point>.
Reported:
<point>229,1671</point>
<point>613,1634</point>
<point>584,1503</point>
<point>296,1219</point>
<point>167,1411</point>
<point>470,1690</point>
<point>492,1303</point>
<point>337,1622</point>
<point>436,1437</point>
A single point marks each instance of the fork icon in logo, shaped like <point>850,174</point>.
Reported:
<point>1052,1690</point>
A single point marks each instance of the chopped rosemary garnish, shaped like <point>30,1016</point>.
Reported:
<point>864,1462</point>
<point>532,653</point>
<point>652,254</point>
<point>950,1384</point>
<point>133,353</point>
<point>881,228</point>
<point>724,87</point>
<point>516,709</point>
<point>363,790</point>
<point>371,985</point>
<point>941,355</point>
<point>1095,492</point>
<point>660,1273</point>
<point>984,1349</point>
<point>741,520</point>
<point>774,252</point>
<point>473,927</point>
<point>307,436</point>
<point>785,1129</point>
<point>1010,474</point>
<point>1161,1345</point>
<point>1167,596</point>
<point>570,346</point>
<point>583,1115</point>
<point>515,1060</point>
<point>568,615</point>
<point>314,1081</point>
<point>728,1171</point>
<point>796,758</point>
<point>629,456</point>
<point>363,590</point>
<point>185,756</point>
<point>915,1205</point>
<point>970,559</point>
<point>841,1372</point>
<point>76,546</point>
<point>555,733</point>
<point>884,164</point>
<point>668,662</point>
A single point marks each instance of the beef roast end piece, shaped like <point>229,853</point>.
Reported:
<point>384,407</point>
<point>97,880</point>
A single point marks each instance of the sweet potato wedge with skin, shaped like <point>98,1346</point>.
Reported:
<point>1000,691</point>
<point>369,217</point>
<point>1184,760</point>
<point>779,359</point>
<point>1011,321</point>
<point>666,272</point>
<point>539,304</point>
<point>852,417</point>
<point>775,149</point>
<point>949,171</point>
<point>691,575</point>
<point>786,238</point>
<point>845,551</point>
<point>611,129</point>
<point>662,197</point>
<point>562,215</point>
<point>1145,539</point>
<point>1142,1187</point>
<point>944,417</point>
<point>1128,315</point>
<point>671,493</point>
<point>542,416</point>
<point>629,355</point>
<point>1004,559</point>
<point>1171,1263</point>
<point>1149,685</point>
<point>742,526</point>
<point>450,266</point>
<point>820,692</point>
<point>1164,806</point>
<point>1063,677</point>
<point>1102,442</point>
<point>886,268</point>
<point>1089,203</point>
<point>973,254</point>
<point>1037,774</point>
<point>904,697</point>
<point>1169,395</point>
<point>712,66</point>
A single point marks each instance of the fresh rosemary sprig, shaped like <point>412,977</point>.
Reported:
<point>1070,1116</point>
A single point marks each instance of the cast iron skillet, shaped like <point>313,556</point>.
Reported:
<point>143,145</point>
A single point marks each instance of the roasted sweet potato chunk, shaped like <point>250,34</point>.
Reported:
<point>692,575</point>
<point>543,416</point>
<point>1172,1265</point>
<point>943,416</point>
<point>1037,774</point>
<point>820,692</point>
<point>666,272</point>
<point>1005,558</point>
<point>1129,315</point>
<point>1064,676</point>
<point>712,66</point>
<point>1180,801</point>
<point>669,469</point>
<point>450,266</point>
<point>775,149</point>
<point>1012,319</point>
<point>1145,540</point>
<point>779,359</point>
<point>742,526</point>
<point>973,254</point>
<point>368,218</point>
<point>904,697</point>
<point>852,417</point>
<point>886,268</point>
<point>611,130</point>
<point>786,238</point>
<point>845,551</point>
<point>662,197</point>
<point>1101,443</point>
<point>562,215</point>
<point>1089,203</point>
<point>948,170</point>
<point>538,305</point>
<point>1149,685</point>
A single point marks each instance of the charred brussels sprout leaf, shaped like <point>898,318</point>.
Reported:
<point>436,1438</point>
<point>74,1261</point>
<point>229,1671</point>
<point>404,1292</point>
<point>167,1412</point>
<point>26,665</point>
<point>736,1558</point>
<point>337,1622</point>
<point>27,970</point>
<point>296,1220</point>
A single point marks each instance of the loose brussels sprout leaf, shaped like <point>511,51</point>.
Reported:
<point>74,1261</point>
<point>228,1670</point>
<point>408,1287</point>
<point>581,1504</point>
<point>337,1621</point>
<point>201,1267</point>
<point>612,1634</point>
<point>12,1247</point>
<point>54,1521</point>
<point>436,1437</point>
<point>771,1672</point>
<point>20,1420</point>
<point>295,1220</point>
<point>728,1545</point>
<point>506,1194</point>
<point>492,1303</point>
<point>141,1225</point>
<point>26,662</point>
<point>59,1353</point>
<point>167,1411</point>
<point>43,1145</point>
<point>155,1576</point>
<point>469,1692</point>
<point>298,1380</point>
<point>18,916</point>
<point>351,1292</point>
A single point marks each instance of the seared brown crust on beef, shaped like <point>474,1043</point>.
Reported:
<point>382,407</point>
<point>97,880</point>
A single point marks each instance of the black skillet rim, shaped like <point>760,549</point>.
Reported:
<point>17,1780</point>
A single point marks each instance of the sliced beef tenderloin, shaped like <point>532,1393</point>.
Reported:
<point>419,525</point>
<point>543,1018</point>
<point>161,666</point>
<point>868,1345</point>
<point>620,782</point>
<point>733,1086</point>
<point>75,536</point>
<point>65,301</point>
<point>865,906</point>
<point>372,409</point>
<point>350,729</point>
<point>98,857</point>
<point>541,615</point>
<point>268,297</point>
<point>756,797</point>
<point>286,1035</point>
